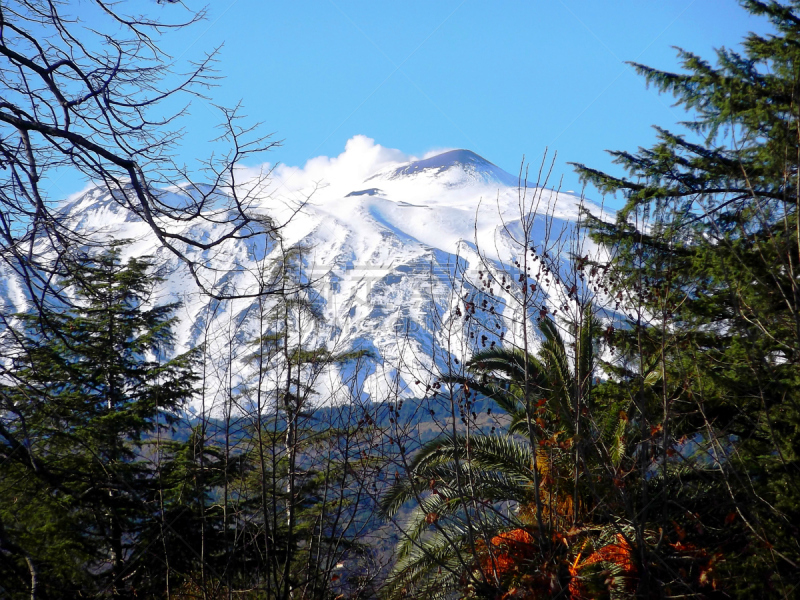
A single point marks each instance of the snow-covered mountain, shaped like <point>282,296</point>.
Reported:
<point>387,256</point>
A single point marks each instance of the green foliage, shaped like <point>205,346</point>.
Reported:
<point>87,388</point>
<point>685,463</point>
<point>706,253</point>
<point>105,492</point>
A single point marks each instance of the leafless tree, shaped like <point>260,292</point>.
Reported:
<point>88,88</point>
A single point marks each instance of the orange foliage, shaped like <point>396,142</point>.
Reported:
<point>509,549</point>
<point>620,554</point>
<point>516,538</point>
<point>511,558</point>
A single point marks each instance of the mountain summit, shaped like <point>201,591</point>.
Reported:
<point>455,168</point>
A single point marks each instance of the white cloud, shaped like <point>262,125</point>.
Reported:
<point>325,177</point>
<point>338,175</point>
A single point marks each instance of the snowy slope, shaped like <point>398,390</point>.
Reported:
<point>386,262</point>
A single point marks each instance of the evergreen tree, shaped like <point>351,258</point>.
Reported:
<point>707,250</point>
<point>90,385</point>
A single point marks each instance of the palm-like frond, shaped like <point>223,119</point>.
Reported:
<point>560,376</point>
<point>459,482</point>
<point>485,463</point>
<point>442,561</point>
<point>618,442</point>
<point>502,453</point>
<point>550,376</point>
<point>513,362</point>
<point>439,555</point>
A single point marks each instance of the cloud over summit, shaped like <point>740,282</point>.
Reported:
<point>336,176</point>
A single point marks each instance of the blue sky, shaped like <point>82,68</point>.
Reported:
<point>504,79</point>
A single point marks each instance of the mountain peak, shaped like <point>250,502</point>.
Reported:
<point>464,164</point>
<point>447,160</point>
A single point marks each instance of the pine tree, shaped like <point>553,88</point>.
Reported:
<point>707,250</point>
<point>90,386</point>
